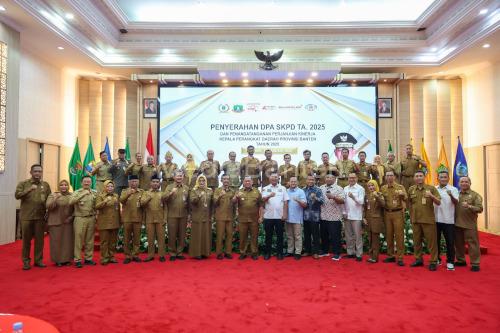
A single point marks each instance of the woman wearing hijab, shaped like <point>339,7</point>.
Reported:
<point>60,223</point>
<point>200,200</point>
<point>190,170</point>
<point>108,222</point>
<point>377,164</point>
<point>374,218</point>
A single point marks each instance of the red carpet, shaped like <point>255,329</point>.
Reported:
<point>248,296</point>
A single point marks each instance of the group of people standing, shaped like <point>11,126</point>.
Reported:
<point>311,203</point>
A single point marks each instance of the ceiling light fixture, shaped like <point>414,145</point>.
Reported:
<point>224,81</point>
<point>150,81</point>
<point>222,74</point>
<point>353,80</point>
<point>288,81</point>
<point>486,45</point>
<point>245,81</point>
<point>2,9</point>
<point>69,16</point>
<point>309,80</point>
<point>385,80</point>
<point>434,49</point>
<point>483,11</point>
<point>314,74</point>
<point>267,81</point>
<point>244,74</point>
<point>60,48</point>
<point>291,74</point>
<point>181,81</point>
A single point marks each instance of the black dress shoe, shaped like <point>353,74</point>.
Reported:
<point>181,257</point>
<point>67,263</point>
<point>204,257</point>
<point>359,258</point>
<point>148,259</point>
<point>228,256</point>
<point>475,268</point>
<point>197,257</point>
<point>432,267</point>
<point>220,257</point>
<point>40,264</point>
<point>58,264</point>
<point>162,259</point>
<point>78,264</point>
<point>417,263</point>
<point>136,259</point>
<point>372,261</point>
<point>89,262</point>
<point>389,259</point>
<point>242,256</point>
<point>297,257</point>
<point>26,266</point>
<point>460,263</point>
<point>349,256</point>
<point>113,261</point>
<point>255,257</point>
<point>172,258</point>
<point>279,256</point>
<point>266,257</point>
<point>104,263</point>
<point>127,261</point>
<point>288,255</point>
<point>401,263</point>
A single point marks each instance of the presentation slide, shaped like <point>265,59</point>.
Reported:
<point>283,119</point>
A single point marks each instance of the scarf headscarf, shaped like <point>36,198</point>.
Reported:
<point>63,181</point>
<point>106,183</point>
<point>198,181</point>
<point>189,168</point>
<point>374,182</point>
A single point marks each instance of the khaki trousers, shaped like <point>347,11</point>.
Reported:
<point>469,236</point>
<point>395,229</point>
<point>427,231</point>
<point>131,232</point>
<point>177,235</point>
<point>224,234</point>
<point>354,237</point>
<point>156,231</point>
<point>84,237</point>
<point>374,239</point>
<point>294,237</point>
<point>108,239</point>
<point>32,229</point>
<point>244,228</point>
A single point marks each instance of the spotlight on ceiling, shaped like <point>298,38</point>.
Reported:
<point>69,16</point>
<point>222,74</point>
<point>486,46</point>
<point>483,11</point>
<point>245,81</point>
<point>60,48</point>
<point>244,74</point>
<point>314,74</point>
<point>2,8</point>
<point>288,81</point>
<point>310,80</point>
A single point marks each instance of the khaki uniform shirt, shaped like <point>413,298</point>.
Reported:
<point>103,173</point>
<point>167,171</point>
<point>395,167</point>
<point>366,171</point>
<point>391,197</point>
<point>410,165</point>
<point>287,172</point>
<point>152,203</point>
<point>374,206</point>
<point>248,205</point>
<point>60,211</point>
<point>467,217</point>
<point>422,208</point>
<point>32,202</point>
<point>211,170</point>
<point>133,169</point>
<point>304,169</point>
<point>250,166</point>
<point>178,202</point>
<point>200,201</point>
<point>84,203</point>
<point>145,174</point>
<point>108,206</point>
<point>223,205</point>
<point>345,167</point>
<point>131,206</point>
<point>232,169</point>
<point>324,170</point>
<point>267,167</point>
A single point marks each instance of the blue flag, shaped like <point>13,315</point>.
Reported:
<point>106,149</point>
<point>460,168</point>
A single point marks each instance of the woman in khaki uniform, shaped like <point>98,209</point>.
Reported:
<point>190,170</point>
<point>374,217</point>
<point>200,200</point>
<point>108,222</point>
<point>60,222</point>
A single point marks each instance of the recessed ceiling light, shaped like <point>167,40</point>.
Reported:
<point>309,80</point>
<point>222,74</point>
<point>244,74</point>
<point>60,48</point>
<point>150,81</point>
<point>385,80</point>
<point>245,81</point>
<point>288,81</point>
<point>314,74</point>
<point>181,81</point>
<point>69,16</point>
<point>486,45</point>
<point>267,81</point>
<point>2,9</point>
<point>224,81</point>
<point>434,49</point>
<point>483,11</point>
<point>291,74</point>
<point>353,80</point>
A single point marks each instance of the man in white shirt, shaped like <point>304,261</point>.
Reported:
<point>353,218</point>
<point>445,217</point>
<point>331,213</point>
<point>275,199</point>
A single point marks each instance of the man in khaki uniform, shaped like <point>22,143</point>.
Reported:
<point>250,166</point>
<point>134,168</point>
<point>224,217</point>
<point>422,198</point>
<point>366,171</point>
<point>395,197</point>
<point>211,169</point>
<point>392,164</point>
<point>345,167</point>
<point>249,202</point>
<point>33,193</point>
<point>101,171</point>
<point>167,171</point>
<point>267,167</point>
<point>132,215</point>
<point>83,201</point>
<point>470,204</point>
<point>146,173</point>
<point>176,196</point>
<point>306,167</point>
<point>231,168</point>
<point>325,168</point>
<point>108,222</point>
<point>409,165</point>
<point>287,171</point>
<point>152,204</point>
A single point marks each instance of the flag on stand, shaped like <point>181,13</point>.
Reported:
<point>150,151</point>
<point>75,168</point>
<point>443,164</point>
<point>89,162</point>
<point>106,149</point>
<point>460,167</point>
<point>427,169</point>
<point>389,149</point>
<point>128,156</point>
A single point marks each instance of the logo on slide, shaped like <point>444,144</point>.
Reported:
<point>310,107</point>
<point>238,108</point>
<point>223,108</point>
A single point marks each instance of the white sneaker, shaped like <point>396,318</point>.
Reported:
<point>324,255</point>
<point>336,257</point>
<point>450,266</point>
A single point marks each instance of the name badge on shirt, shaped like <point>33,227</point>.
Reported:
<point>138,204</point>
<point>368,206</point>
<point>395,202</point>
<point>424,201</point>
<point>269,190</point>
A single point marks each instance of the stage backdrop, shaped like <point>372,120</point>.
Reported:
<point>283,119</point>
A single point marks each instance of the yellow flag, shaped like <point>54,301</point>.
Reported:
<point>428,169</point>
<point>443,164</point>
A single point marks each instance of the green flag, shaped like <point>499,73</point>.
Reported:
<point>89,162</point>
<point>128,157</point>
<point>75,168</point>
<point>389,150</point>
